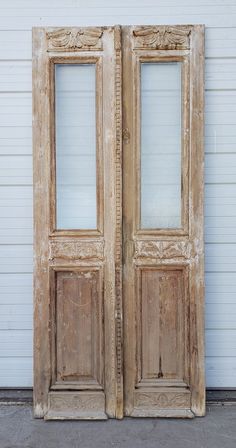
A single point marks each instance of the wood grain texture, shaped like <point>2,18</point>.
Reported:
<point>41,170</point>
<point>112,215</point>
<point>78,327</point>
<point>161,326</point>
<point>78,304</point>
<point>196,218</point>
<point>163,306</point>
<point>162,277</point>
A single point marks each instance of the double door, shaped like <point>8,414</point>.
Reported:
<point>118,222</point>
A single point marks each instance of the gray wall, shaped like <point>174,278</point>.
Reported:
<point>16,20</point>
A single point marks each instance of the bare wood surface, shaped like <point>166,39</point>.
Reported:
<point>80,352</point>
<point>41,178</point>
<point>163,268</point>
<point>197,370</point>
<point>77,293</point>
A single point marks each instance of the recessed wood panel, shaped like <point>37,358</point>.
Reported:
<point>78,327</point>
<point>161,325</point>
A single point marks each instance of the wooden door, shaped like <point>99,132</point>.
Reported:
<point>77,216</point>
<point>163,221</point>
<point>78,332</point>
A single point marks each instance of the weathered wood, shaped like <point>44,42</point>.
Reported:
<point>163,268</point>
<point>78,332</point>
<point>77,294</point>
<point>161,325</point>
<point>196,220</point>
<point>162,37</point>
<point>118,247</point>
<point>41,177</point>
<point>78,338</point>
<point>74,39</point>
<point>83,405</point>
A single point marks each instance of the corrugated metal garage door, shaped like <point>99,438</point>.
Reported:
<point>16,20</point>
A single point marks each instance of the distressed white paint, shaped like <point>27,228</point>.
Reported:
<point>16,20</point>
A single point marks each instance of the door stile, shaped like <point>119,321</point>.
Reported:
<point>196,212</point>
<point>41,177</point>
<point>128,221</point>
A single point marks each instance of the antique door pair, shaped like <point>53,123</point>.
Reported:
<point>118,222</point>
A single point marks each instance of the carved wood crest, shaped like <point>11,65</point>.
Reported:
<point>163,249</point>
<point>74,39</point>
<point>162,37</point>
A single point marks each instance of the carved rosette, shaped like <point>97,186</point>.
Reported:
<point>74,39</point>
<point>162,37</point>
<point>163,249</point>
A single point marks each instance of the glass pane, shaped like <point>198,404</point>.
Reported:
<point>161,145</point>
<point>75,93</point>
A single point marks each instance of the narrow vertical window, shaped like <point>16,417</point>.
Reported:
<point>75,122</point>
<point>161,145</point>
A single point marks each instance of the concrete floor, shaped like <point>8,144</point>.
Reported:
<point>18,429</point>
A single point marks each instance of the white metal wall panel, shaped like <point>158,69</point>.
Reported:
<point>17,17</point>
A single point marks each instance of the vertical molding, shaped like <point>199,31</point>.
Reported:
<point>118,237</point>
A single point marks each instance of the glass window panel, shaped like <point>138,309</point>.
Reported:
<point>161,145</point>
<point>75,94</point>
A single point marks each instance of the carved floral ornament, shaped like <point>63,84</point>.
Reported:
<point>74,39</point>
<point>155,37</point>
<point>76,250</point>
<point>162,400</point>
<point>162,37</point>
<point>163,249</point>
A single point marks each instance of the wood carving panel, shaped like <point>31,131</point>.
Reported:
<point>164,399</point>
<point>162,37</point>
<point>74,39</point>
<point>163,249</point>
<point>78,326</point>
<point>161,327</point>
<point>75,249</point>
<point>72,405</point>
